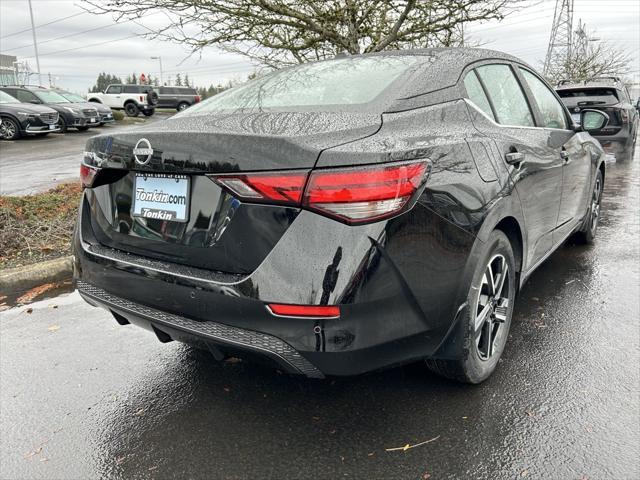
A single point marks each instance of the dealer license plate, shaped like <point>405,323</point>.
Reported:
<point>161,196</point>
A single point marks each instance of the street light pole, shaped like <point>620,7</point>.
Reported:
<point>159,60</point>
<point>35,43</point>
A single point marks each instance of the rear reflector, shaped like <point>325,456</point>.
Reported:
<point>87,175</point>
<point>308,311</point>
<point>351,195</point>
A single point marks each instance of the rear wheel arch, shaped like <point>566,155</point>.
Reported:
<point>511,228</point>
<point>95,100</point>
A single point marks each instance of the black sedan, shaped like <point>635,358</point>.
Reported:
<point>105,114</point>
<point>342,216</point>
<point>18,119</point>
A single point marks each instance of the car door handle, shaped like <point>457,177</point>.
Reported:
<point>513,158</point>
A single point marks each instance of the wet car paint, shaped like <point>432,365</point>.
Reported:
<point>372,271</point>
<point>93,399</point>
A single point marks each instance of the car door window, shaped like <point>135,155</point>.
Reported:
<point>553,114</point>
<point>114,89</point>
<point>25,96</point>
<point>509,103</point>
<point>476,94</point>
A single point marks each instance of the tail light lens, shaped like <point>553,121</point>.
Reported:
<point>364,194</point>
<point>351,195</point>
<point>88,175</point>
<point>308,311</point>
<point>197,98</point>
<point>625,116</point>
<point>282,188</point>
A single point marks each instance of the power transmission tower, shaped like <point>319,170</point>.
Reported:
<point>560,41</point>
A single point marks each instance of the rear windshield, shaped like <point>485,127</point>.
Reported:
<point>6,98</point>
<point>574,95</point>
<point>345,81</point>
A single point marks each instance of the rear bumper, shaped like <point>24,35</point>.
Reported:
<point>389,313</point>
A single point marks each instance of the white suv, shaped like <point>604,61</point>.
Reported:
<point>133,99</point>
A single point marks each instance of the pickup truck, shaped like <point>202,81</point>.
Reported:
<point>133,99</point>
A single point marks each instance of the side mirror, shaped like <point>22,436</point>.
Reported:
<point>592,120</point>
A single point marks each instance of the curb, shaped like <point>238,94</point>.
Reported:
<point>15,280</point>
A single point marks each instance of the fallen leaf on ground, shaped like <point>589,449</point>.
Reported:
<point>152,468</point>
<point>524,473</point>
<point>54,328</point>
<point>34,292</point>
<point>408,446</point>
<point>139,413</point>
<point>29,310</point>
<point>44,459</point>
<point>426,476</point>
<point>30,454</point>
<point>227,389</point>
<point>370,454</point>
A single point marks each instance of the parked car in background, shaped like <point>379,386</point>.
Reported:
<point>70,115</point>
<point>610,95</point>
<point>342,216</point>
<point>105,114</point>
<point>18,119</point>
<point>179,98</point>
<point>133,99</point>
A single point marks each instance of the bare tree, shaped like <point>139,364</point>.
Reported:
<point>590,59</point>
<point>282,32</point>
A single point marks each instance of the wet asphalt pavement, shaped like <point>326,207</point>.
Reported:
<point>47,161</point>
<point>82,397</point>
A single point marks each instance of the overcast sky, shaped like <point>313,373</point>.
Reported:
<point>75,61</point>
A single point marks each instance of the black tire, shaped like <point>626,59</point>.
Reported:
<point>182,106</point>
<point>83,129</point>
<point>587,233</point>
<point>62,123</point>
<point>131,109</point>
<point>9,129</point>
<point>152,98</point>
<point>148,113</point>
<point>485,325</point>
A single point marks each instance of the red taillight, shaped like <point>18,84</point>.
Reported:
<point>275,187</point>
<point>308,311</point>
<point>364,194</point>
<point>87,175</point>
<point>197,99</point>
<point>352,195</point>
<point>141,99</point>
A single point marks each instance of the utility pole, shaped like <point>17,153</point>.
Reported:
<point>159,60</point>
<point>35,43</point>
<point>560,40</point>
<point>50,80</point>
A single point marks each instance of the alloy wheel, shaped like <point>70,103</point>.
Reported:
<point>492,307</point>
<point>7,130</point>
<point>595,204</point>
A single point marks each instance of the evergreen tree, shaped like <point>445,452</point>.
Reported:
<point>186,80</point>
<point>178,80</point>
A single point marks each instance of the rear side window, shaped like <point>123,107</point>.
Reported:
<point>552,111</point>
<point>508,99</point>
<point>131,89</point>
<point>476,94</point>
